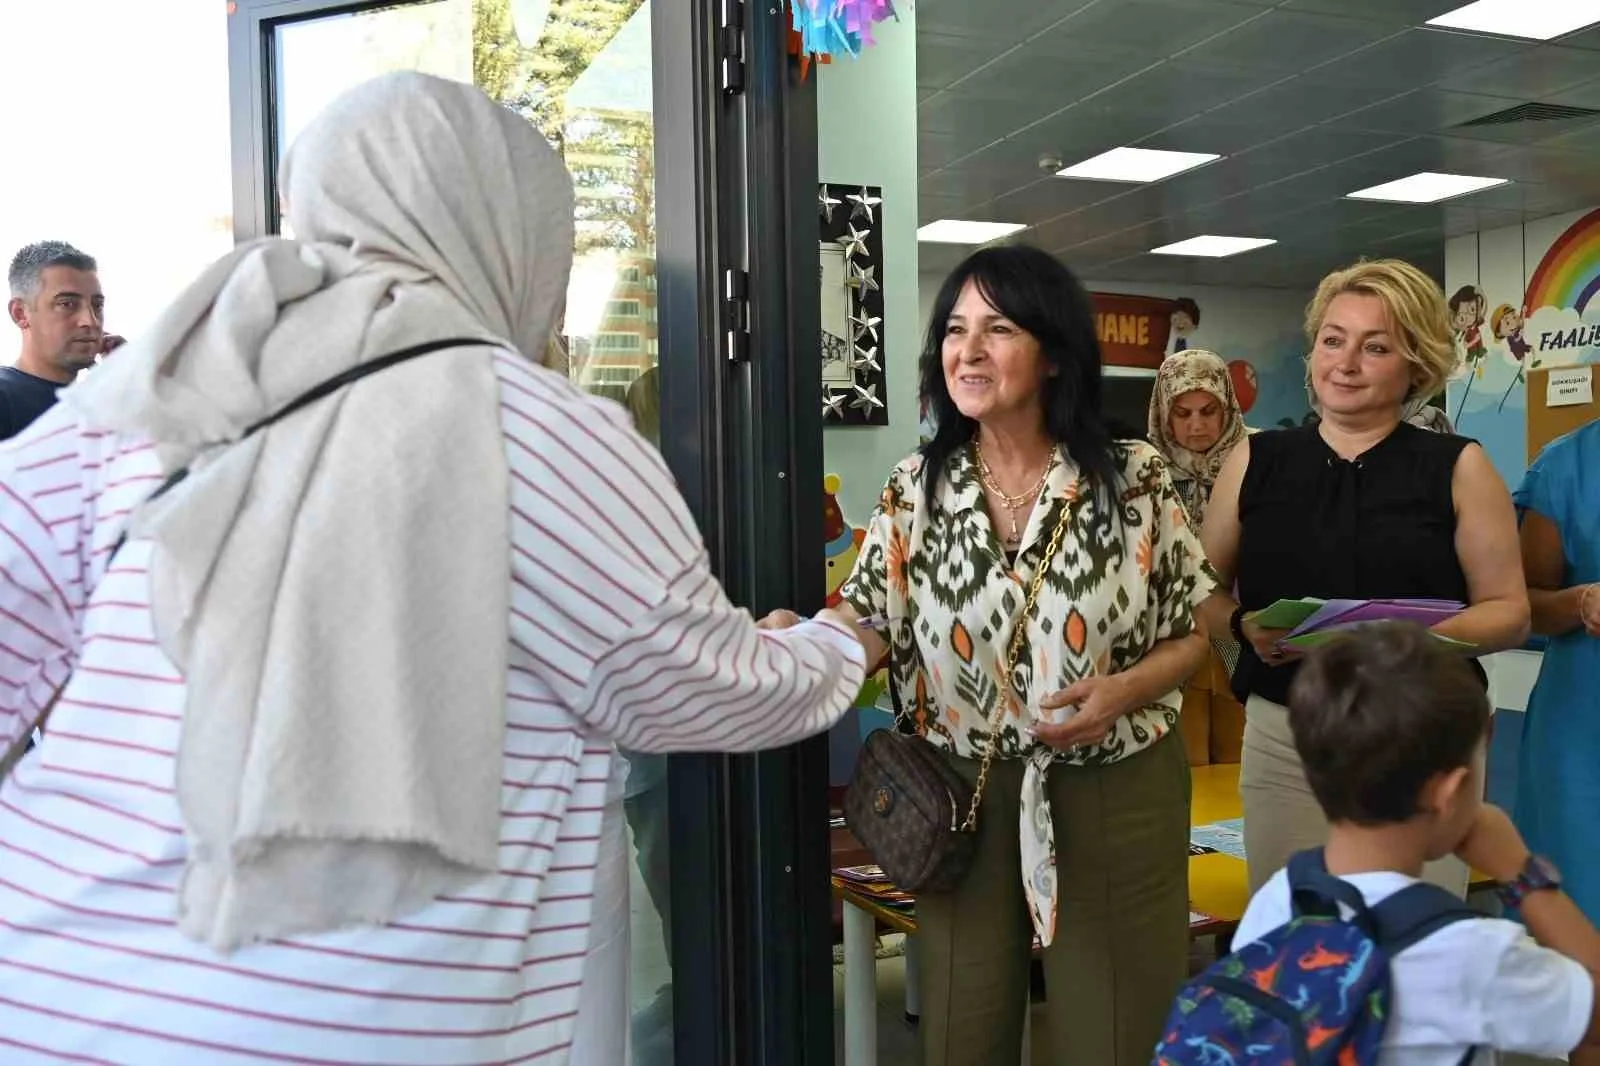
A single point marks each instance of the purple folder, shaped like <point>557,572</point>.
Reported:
<point>1342,613</point>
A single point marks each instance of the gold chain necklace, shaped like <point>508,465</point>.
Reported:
<point>1012,503</point>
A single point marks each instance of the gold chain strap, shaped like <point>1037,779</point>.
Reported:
<point>1012,652</point>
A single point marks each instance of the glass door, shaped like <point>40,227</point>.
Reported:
<point>696,238</point>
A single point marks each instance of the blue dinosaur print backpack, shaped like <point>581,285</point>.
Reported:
<point>1313,992</point>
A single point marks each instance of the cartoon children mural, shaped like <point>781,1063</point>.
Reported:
<point>1507,323</point>
<point>1466,318</point>
<point>1185,320</point>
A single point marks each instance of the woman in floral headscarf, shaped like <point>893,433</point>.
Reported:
<point>1195,422</point>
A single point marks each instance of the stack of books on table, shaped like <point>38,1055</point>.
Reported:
<point>871,881</point>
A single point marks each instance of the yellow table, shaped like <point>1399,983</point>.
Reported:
<point>1218,884</point>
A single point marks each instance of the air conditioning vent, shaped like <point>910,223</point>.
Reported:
<point>1531,113</point>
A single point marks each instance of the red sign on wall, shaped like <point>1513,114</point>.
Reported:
<point>1133,330</point>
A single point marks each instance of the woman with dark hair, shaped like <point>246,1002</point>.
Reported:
<point>1084,815</point>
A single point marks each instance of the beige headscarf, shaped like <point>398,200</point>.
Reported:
<point>1193,473</point>
<point>335,589</point>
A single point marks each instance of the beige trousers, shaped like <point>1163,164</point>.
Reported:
<point>1281,815</point>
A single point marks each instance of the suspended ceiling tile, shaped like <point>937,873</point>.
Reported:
<point>1157,27</point>
<point>937,149</point>
<point>1292,41</point>
<point>1394,12</point>
<point>981,21</point>
<point>1524,133</point>
<point>1586,94</point>
<point>1586,38</point>
<point>1458,220</point>
<point>1057,74</point>
<point>971,187</point>
<point>1050,198</point>
<point>1180,90</point>
<point>1078,133</point>
<point>966,111</point>
<point>1316,146</point>
<point>1421,57</point>
<point>939,259</point>
<point>931,207</point>
<point>1292,105</point>
<point>1424,111</point>
<point>1204,133</point>
<point>1585,140</point>
<point>943,59</point>
<point>1532,74</point>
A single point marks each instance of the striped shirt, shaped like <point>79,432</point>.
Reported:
<point>619,634</point>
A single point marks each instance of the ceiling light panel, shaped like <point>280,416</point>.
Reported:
<point>1136,165</point>
<point>1212,246</point>
<point>962,231</point>
<point>1535,20</point>
<point>1426,188</point>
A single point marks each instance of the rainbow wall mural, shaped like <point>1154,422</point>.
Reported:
<point>1499,338</point>
<point>1569,274</point>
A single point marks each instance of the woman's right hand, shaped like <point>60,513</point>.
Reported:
<point>1589,609</point>
<point>1265,642</point>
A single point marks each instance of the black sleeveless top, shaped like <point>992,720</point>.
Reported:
<point>1382,525</point>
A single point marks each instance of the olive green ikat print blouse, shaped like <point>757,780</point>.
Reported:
<point>1112,592</point>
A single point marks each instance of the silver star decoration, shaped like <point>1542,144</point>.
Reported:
<point>826,204</point>
<point>855,242</point>
<point>865,279</point>
<point>866,398</point>
<point>862,203</point>
<point>833,403</point>
<point>866,359</point>
<point>863,324</point>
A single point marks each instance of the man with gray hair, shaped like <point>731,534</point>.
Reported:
<point>57,304</point>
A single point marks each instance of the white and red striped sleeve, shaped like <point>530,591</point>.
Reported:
<point>42,522</point>
<point>614,601</point>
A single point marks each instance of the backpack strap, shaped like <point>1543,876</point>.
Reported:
<point>1415,913</point>
<point>1313,891</point>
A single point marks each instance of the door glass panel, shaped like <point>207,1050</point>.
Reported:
<point>580,70</point>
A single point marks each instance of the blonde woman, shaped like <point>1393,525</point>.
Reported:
<point>1363,504</point>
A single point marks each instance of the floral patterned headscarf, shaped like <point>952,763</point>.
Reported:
<point>1193,473</point>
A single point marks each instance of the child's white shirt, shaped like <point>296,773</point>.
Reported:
<point>1474,984</point>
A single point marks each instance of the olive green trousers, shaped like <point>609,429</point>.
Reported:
<point>1121,944</point>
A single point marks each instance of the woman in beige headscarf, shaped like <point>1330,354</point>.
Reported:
<point>331,774</point>
<point>1195,422</point>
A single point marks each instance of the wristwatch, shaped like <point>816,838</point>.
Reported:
<point>1236,624</point>
<point>1538,875</point>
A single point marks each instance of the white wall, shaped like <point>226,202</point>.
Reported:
<point>867,135</point>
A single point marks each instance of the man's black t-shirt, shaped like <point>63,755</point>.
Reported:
<point>23,398</point>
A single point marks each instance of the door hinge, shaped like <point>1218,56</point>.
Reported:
<point>736,316</point>
<point>730,34</point>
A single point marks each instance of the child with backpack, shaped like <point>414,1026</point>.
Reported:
<point>1346,957</point>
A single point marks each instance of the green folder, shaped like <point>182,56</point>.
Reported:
<point>1285,614</point>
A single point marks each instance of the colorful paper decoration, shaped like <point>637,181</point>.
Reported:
<point>822,29</point>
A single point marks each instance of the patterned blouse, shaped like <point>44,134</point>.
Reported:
<point>951,599</point>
